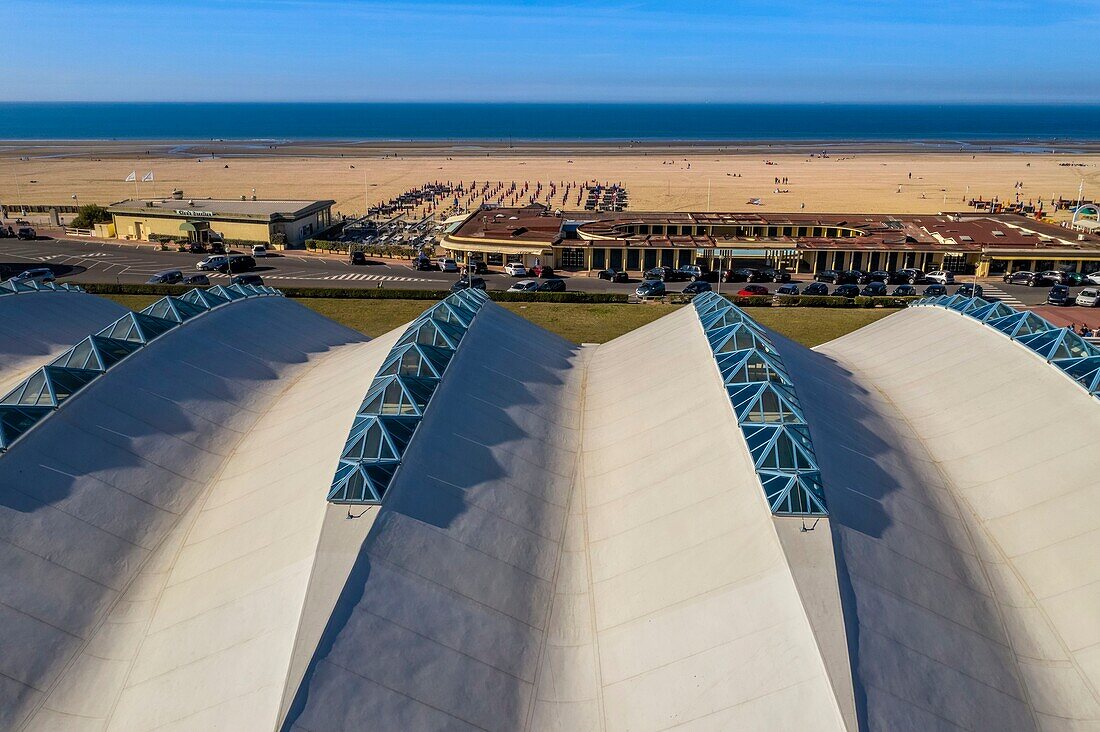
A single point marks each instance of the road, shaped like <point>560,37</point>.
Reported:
<point>75,260</point>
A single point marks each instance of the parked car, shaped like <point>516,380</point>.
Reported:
<point>816,288</point>
<point>554,285</point>
<point>26,232</point>
<point>744,274</point>
<point>38,274</point>
<point>658,273</point>
<point>464,283</point>
<point>515,269</point>
<point>446,264</point>
<point>772,274</point>
<point>1024,277</point>
<point>167,277</point>
<point>874,289</point>
<point>247,279</point>
<point>196,279</point>
<point>941,276</point>
<point>905,291</point>
<point>524,286</point>
<point>213,263</point>
<point>846,291</point>
<point>423,264</point>
<point>692,273</point>
<point>650,288</point>
<point>237,263</point>
<point>259,250</point>
<point>752,291</point>
<point>969,290</point>
<point>827,275</point>
<point>1055,277</point>
<point>1088,297</point>
<point>613,275</point>
<point>543,271</point>
<point>1059,295</point>
<point>478,266</point>
<point>935,291</point>
<point>1093,278</point>
<point>877,275</point>
<point>357,257</point>
<point>909,274</point>
<point>694,288</point>
<point>790,289</point>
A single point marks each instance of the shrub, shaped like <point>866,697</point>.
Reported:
<point>89,215</point>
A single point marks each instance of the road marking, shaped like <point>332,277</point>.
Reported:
<point>999,294</point>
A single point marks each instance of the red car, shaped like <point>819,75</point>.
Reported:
<point>752,291</point>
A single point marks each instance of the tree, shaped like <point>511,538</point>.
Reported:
<point>89,215</point>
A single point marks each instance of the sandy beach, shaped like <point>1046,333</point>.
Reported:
<point>901,178</point>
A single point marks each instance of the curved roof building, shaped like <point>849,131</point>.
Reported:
<point>255,518</point>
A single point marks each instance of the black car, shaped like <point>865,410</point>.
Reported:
<point>851,277</point>
<point>935,291</point>
<point>423,264</point>
<point>910,275</point>
<point>613,275</point>
<point>167,277</point>
<point>828,275</point>
<point>775,275</point>
<point>1074,279</point>
<point>650,288</point>
<point>846,291</point>
<point>464,283</point>
<point>816,288</point>
<point>694,288</point>
<point>1059,295</point>
<point>196,279</point>
<point>237,263</point>
<point>658,273</point>
<point>874,289</point>
<point>552,286</point>
<point>357,257</point>
<point>479,267</point>
<point>745,274</point>
<point>969,290</point>
<point>27,232</point>
<point>790,289</point>
<point>905,291</point>
<point>247,279</point>
<point>877,275</point>
<point>1024,277</point>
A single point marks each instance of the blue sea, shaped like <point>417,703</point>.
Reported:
<point>546,122</point>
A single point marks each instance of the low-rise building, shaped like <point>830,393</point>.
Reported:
<point>288,223</point>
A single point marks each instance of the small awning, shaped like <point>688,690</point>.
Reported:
<point>195,226</point>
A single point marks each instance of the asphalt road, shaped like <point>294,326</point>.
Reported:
<point>95,261</point>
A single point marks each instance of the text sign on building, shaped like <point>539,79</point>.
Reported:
<point>184,212</point>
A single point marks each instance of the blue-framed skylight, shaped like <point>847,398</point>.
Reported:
<point>766,407</point>
<point>44,391</point>
<point>1061,347</point>
<point>398,397</point>
<point>15,287</point>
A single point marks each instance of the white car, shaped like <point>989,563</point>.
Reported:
<point>211,263</point>
<point>941,276</point>
<point>447,265</point>
<point>1088,297</point>
<point>259,250</point>
<point>515,269</point>
<point>524,286</point>
<point>41,274</point>
<point>1094,278</point>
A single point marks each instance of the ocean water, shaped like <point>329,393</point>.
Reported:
<point>549,122</point>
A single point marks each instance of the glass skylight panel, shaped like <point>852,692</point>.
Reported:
<point>976,303</point>
<point>1085,371</point>
<point>48,387</point>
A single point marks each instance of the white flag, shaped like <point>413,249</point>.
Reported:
<point>132,177</point>
<point>147,178</point>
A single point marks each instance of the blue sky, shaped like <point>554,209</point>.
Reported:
<point>541,50</point>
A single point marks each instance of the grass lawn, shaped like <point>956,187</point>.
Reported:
<point>580,323</point>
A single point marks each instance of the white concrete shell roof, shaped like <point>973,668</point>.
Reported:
<point>576,539</point>
<point>36,327</point>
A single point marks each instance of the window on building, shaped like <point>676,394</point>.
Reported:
<point>667,256</point>
<point>857,260</point>
<point>683,257</point>
<point>616,259</point>
<point>572,258</point>
<point>820,261</point>
<point>599,259</point>
<point>632,259</point>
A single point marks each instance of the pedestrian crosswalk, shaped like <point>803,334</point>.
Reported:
<point>349,277</point>
<point>992,292</point>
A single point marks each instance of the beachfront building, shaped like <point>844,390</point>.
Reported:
<point>230,512</point>
<point>801,243</point>
<point>203,219</point>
